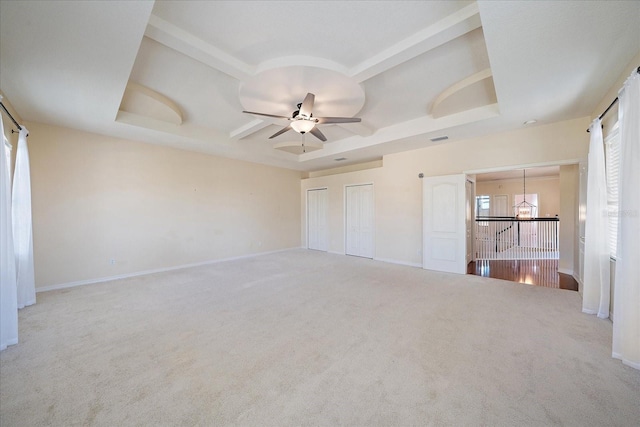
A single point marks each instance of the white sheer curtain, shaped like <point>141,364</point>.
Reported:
<point>626,324</point>
<point>8,296</point>
<point>596,286</point>
<point>22,228</point>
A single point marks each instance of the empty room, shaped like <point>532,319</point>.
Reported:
<point>285,213</point>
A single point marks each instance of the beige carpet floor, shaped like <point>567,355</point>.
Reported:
<point>308,338</point>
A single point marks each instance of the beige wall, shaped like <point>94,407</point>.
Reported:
<point>398,190</point>
<point>547,189</point>
<point>98,198</point>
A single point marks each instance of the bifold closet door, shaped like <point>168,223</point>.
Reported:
<point>317,219</point>
<point>359,220</point>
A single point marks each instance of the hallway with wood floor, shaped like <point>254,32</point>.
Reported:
<point>538,272</point>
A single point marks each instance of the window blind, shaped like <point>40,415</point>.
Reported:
<point>612,165</point>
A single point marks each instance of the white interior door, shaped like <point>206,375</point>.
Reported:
<point>500,205</point>
<point>359,220</point>
<point>317,219</point>
<point>444,223</point>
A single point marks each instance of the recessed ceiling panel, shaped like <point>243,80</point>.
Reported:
<point>407,91</point>
<point>278,91</point>
<point>142,101</point>
<point>207,97</point>
<point>347,32</point>
<point>479,93</point>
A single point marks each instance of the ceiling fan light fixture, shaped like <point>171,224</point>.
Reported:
<point>302,125</point>
<point>302,120</point>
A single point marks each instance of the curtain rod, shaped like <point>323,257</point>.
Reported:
<point>612,103</point>
<point>10,116</point>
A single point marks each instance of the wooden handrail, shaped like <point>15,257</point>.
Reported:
<point>513,218</point>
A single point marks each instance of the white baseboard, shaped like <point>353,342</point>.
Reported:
<point>395,261</point>
<point>634,365</point>
<point>153,271</point>
<point>390,261</point>
<point>8,343</point>
<point>565,271</point>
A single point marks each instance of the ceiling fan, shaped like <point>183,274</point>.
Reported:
<point>302,120</point>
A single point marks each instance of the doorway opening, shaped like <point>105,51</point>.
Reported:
<point>518,231</point>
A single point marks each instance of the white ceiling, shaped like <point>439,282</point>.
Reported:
<point>528,173</point>
<point>180,73</point>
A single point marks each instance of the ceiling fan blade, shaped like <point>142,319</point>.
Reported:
<point>307,105</point>
<point>316,132</point>
<point>266,115</point>
<point>338,119</point>
<point>281,131</point>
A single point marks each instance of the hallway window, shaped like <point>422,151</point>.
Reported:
<point>483,205</point>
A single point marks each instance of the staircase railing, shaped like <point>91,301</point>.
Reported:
<point>515,238</point>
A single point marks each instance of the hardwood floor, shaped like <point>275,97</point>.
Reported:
<point>538,272</point>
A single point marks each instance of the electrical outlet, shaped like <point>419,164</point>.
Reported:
<point>112,261</point>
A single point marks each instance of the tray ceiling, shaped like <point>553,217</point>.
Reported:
<point>179,73</point>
